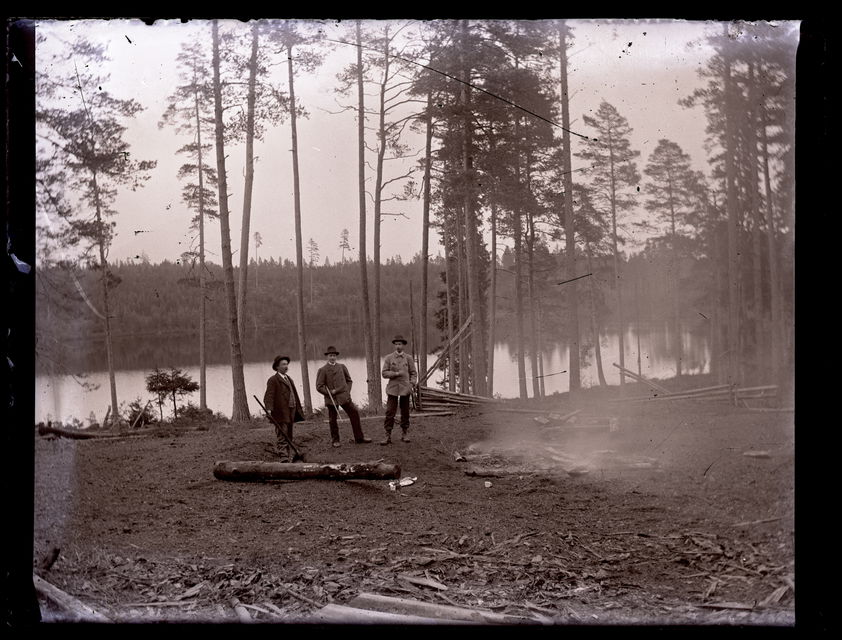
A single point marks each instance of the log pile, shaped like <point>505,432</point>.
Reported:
<point>738,396</point>
<point>440,400</point>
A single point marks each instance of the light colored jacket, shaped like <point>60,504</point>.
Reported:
<point>400,370</point>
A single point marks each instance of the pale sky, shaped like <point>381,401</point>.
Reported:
<point>643,72</point>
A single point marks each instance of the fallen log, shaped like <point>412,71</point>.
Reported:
<point>76,434</point>
<point>640,378</point>
<point>565,417</point>
<point>78,610</point>
<point>351,615</point>
<point>249,470</point>
<point>543,412</point>
<point>404,606</point>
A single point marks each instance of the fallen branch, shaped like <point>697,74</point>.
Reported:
<point>424,582</point>
<point>67,603</point>
<point>240,610</point>
<point>254,607</point>
<point>388,604</point>
<point>726,605</point>
<point>345,614</point>
<point>753,522</point>
<point>639,378</point>
<point>303,598</point>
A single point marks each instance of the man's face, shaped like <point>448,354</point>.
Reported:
<point>331,358</point>
<point>283,365</point>
<point>399,347</point>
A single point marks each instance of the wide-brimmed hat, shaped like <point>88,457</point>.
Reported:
<point>277,361</point>
<point>331,349</point>
<point>398,338</point>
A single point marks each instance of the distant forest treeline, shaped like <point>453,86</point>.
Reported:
<point>155,304</point>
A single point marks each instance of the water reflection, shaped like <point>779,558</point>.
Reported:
<point>61,396</point>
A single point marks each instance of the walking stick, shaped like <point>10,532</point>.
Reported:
<point>338,417</point>
<point>280,429</point>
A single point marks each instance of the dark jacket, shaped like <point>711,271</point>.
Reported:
<point>276,400</point>
<point>336,379</point>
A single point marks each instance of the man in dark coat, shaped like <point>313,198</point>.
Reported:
<point>282,403</point>
<point>334,382</point>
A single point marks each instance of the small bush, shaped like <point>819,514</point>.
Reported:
<point>143,413</point>
<point>192,413</point>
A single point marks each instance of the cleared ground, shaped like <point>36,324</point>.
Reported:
<point>682,514</point>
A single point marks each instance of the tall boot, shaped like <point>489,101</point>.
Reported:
<point>404,437</point>
<point>387,439</point>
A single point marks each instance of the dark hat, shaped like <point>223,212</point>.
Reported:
<point>398,338</point>
<point>277,361</point>
<point>331,349</point>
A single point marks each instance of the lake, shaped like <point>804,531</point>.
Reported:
<point>62,397</point>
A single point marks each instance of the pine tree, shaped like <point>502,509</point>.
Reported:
<point>613,175</point>
<point>84,160</point>
<point>671,192</point>
<point>188,113</point>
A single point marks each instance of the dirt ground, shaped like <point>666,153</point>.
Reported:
<point>681,513</point>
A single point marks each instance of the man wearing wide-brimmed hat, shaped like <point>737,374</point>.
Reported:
<point>334,382</point>
<point>282,403</point>
<point>399,369</point>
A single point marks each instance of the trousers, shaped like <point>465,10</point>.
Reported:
<point>392,408</point>
<point>285,452</point>
<point>351,410</point>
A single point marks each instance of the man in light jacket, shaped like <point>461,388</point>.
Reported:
<point>334,382</point>
<point>399,369</point>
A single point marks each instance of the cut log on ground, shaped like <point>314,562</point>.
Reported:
<point>250,470</point>
<point>78,611</point>
<point>76,434</point>
<point>337,613</point>
<point>405,606</point>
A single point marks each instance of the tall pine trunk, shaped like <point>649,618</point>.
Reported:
<point>676,293</point>
<point>533,326</point>
<point>519,341</point>
<point>240,411</point>
<point>247,189</point>
<point>492,301</point>
<point>617,288</point>
<point>299,248</point>
<point>597,344</point>
<point>451,311</point>
<point>203,395</point>
<point>109,346</point>
<point>425,234</point>
<point>462,303</point>
<point>471,235</point>
<point>371,356</point>
<point>733,324</point>
<point>575,376</point>
<point>776,336</point>
<point>378,192</point>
